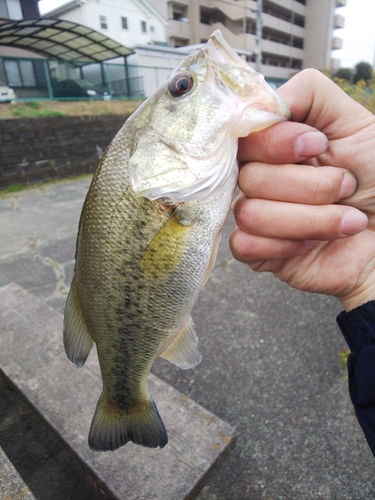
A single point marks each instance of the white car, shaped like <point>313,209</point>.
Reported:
<point>6,93</point>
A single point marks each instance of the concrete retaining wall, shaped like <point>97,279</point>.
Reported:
<point>38,149</point>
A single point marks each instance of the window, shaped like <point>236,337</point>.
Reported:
<point>11,9</point>
<point>13,73</point>
<point>152,29</point>
<point>299,21</point>
<point>143,27</point>
<point>298,43</point>
<point>103,22</point>
<point>124,22</point>
<point>20,73</point>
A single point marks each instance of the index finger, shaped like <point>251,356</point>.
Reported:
<point>317,101</point>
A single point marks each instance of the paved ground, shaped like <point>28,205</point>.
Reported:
<point>270,368</point>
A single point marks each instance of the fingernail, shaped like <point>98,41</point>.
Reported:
<point>348,186</point>
<point>353,222</point>
<point>310,244</point>
<point>311,144</point>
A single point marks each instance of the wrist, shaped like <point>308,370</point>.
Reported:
<point>358,297</point>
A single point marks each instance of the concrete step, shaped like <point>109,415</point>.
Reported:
<point>33,360</point>
<point>12,486</point>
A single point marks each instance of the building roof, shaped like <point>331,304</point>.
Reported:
<point>60,9</point>
<point>144,5</point>
<point>60,39</point>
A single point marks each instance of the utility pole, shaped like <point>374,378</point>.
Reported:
<point>258,36</point>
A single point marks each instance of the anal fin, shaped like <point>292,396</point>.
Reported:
<point>183,351</point>
<point>77,339</point>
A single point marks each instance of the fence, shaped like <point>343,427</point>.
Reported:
<point>54,79</point>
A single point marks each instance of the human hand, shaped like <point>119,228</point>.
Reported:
<point>312,227</point>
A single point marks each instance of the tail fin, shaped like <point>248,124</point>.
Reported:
<point>112,427</point>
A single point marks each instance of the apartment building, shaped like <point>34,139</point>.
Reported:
<point>295,34</point>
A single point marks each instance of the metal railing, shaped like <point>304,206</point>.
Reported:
<point>33,78</point>
<point>53,79</point>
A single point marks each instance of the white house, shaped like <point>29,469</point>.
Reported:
<point>135,24</point>
<point>130,23</point>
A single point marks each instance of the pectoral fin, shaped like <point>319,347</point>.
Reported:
<point>165,250</point>
<point>183,351</point>
<point>77,339</point>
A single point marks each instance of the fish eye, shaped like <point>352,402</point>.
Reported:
<point>181,85</point>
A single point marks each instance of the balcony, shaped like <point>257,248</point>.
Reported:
<point>278,72</point>
<point>338,21</point>
<point>178,29</point>
<point>239,41</point>
<point>335,64</point>
<point>282,50</point>
<point>336,43</point>
<point>283,26</point>
<point>291,5</point>
<point>232,10</point>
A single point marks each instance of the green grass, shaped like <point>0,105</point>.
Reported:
<point>102,111</point>
<point>17,188</point>
<point>31,109</point>
<point>33,112</point>
<point>360,92</point>
<point>44,108</point>
<point>343,354</point>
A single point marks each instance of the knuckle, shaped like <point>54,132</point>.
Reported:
<point>328,184</point>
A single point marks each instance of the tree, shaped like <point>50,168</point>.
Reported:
<point>345,74</point>
<point>363,72</point>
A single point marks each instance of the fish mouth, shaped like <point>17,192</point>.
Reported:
<point>246,83</point>
<point>218,49</point>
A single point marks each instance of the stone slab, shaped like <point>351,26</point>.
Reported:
<point>33,360</point>
<point>12,486</point>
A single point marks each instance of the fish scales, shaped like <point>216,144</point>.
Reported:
<point>149,232</point>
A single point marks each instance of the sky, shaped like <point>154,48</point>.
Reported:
<point>358,35</point>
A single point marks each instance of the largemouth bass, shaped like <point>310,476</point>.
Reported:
<point>149,231</point>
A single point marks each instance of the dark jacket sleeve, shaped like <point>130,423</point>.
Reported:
<point>358,328</point>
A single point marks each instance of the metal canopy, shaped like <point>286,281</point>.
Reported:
<point>59,39</point>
